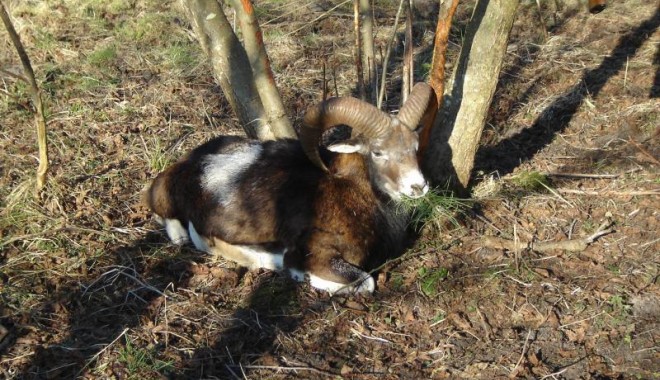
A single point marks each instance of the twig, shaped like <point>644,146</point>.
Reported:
<point>101,352</point>
<point>377,339</point>
<point>555,373</point>
<point>514,371</point>
<point>318,18</point>
<point>14,75</point>
<point>280,368</point>
<point>643,150</point>
<point>581,320</point>
<point>556,194</point>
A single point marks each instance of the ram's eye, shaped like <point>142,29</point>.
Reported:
<point>377,154</point>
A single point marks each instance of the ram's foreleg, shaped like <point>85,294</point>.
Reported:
<point>337,276</point>
<point>175,230</point>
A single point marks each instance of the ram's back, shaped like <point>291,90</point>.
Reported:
<point>239,190</point>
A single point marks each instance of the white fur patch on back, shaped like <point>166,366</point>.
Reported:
<point>220,171</point>
<point>176,232</point>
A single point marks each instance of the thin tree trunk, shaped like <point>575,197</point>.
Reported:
<point>40,118</point>
<point>386,59</point>
<point>459,124</point>
<point>261,71</point>
<point>230,65</point>
<point>368,54</point>
<point>437,73</point>
<point>407,76</point>
<point>358,51</point>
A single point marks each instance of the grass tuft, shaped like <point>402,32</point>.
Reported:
<point>430,279</point>
<point>102,57</point>
<point>532,181</point>
<point>140,361</point>
<point>437,207</point>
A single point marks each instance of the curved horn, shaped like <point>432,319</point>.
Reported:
<point>357,114</point>
<point>418,101</point>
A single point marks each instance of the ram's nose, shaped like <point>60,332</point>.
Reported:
<point>413,184</point>
<point>418,190</point>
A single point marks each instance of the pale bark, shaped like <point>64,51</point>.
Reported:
<point>368,54</point>
<point>261,70</point>
<point>358,51</point>
<point>459,124</point>
<point>230,65</point>
<point>408,68</point>
<point>40,118</point>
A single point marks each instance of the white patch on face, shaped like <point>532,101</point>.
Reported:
<point>221,171</point>
<point>196,239</point>
<point>413,184</point>
<point>368,285</point>
<point>176,232</point>
<point>261,258</point>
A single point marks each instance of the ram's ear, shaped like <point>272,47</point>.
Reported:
<point>346,146</point>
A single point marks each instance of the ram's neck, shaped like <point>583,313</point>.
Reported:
<point>348,166</point>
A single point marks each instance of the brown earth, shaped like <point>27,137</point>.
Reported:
<point>90,287</point>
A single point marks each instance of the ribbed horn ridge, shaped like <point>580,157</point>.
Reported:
<point>413,109</point>
<point>357,114</point>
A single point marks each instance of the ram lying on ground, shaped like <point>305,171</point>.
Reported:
<point>278,205</point>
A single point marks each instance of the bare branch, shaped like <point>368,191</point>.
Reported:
<point>381,94</point>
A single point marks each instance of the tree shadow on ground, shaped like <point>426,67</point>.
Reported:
<point>274,307</point>
<point>98,314</point>
<point>506,155</point>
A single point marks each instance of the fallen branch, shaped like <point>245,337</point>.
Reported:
<point>571,245</point>
<point>610,192</point>
<point>583,175</point>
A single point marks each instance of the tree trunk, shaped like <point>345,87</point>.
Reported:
<point>261,71</point>
<point>407,80</point>
<point>437,74</point>
<point>230,65</point>
<point>368,55</point>
<point>458,127</point>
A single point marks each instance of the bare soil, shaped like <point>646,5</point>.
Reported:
<point>91,288</point>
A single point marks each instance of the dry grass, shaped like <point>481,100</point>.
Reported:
<point>90,288</point>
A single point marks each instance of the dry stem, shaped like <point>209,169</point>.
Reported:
<point>39,117</point>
